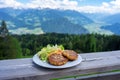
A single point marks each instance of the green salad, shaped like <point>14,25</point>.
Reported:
<point>46,51</point>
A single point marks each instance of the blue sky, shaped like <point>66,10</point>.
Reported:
<point>87,6</point>
<point>24,1</point>
<point>92,2</point>
<point>80,2</point>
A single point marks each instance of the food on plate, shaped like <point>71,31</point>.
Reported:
<point>70,54</point>
<point>57,59</point>
<point>46,51</point>
<point>56,55</point>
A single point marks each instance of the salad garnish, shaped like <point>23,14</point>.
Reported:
<point>49,49</point>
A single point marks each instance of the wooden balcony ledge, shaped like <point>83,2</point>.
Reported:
<point>99,62</point>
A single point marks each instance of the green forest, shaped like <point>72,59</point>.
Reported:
<point>28,45</point>
<point>84,43</point>
<point>21,46</point>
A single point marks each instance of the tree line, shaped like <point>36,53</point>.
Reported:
<point>83,43</point>
<point>18,46</point>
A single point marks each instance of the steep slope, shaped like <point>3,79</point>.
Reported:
<point>115,28</point>
<point>112,19</point>
<point>12,12</point>
<point>47,20</point>
<point>9,19</point>
<point>96,17</point>
<point>54,21</point>
<point>12,22</point>
<point>5,16</point>
<point>74,16</point>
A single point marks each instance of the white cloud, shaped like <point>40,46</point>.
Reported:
<point>10,3</point>
<point>64,4</point>
<point>106,7</point>
<point>42,4</point>
<point>105,4</point>
<point>96,9</point>
<point>115,5</point>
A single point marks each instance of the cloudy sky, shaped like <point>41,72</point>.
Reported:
<point>88,6</point>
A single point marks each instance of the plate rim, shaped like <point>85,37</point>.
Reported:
<point>38,61</point>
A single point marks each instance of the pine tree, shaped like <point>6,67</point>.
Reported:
<point>9,46</point>
<point>3,29</point>
<point>92,43</point>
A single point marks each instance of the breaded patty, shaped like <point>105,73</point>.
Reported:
<point>57,59</point>
<point>70,54</point>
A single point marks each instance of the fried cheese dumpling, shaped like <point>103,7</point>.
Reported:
<point>57,59</point>
<point>70,54</point>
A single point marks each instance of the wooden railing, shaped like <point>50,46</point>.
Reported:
<point>99,66</point>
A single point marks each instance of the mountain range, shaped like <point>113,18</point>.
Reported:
<point>44,20</point>
<point>38,21</point>
<point>112,19</point>
<point>113,22</point>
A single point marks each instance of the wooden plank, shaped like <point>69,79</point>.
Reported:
<point>102,76</point>
<point>25,69</point>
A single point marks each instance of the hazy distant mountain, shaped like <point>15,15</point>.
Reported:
<point>114,23</point>
<point>12,12</point>
<point>112,19</point>
<point>115,28</point>
<point>97,17</point>
<point>108,24</point>
<point>46,20</point>
<point>5,16</point>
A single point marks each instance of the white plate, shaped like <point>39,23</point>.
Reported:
<point>39,62</point>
